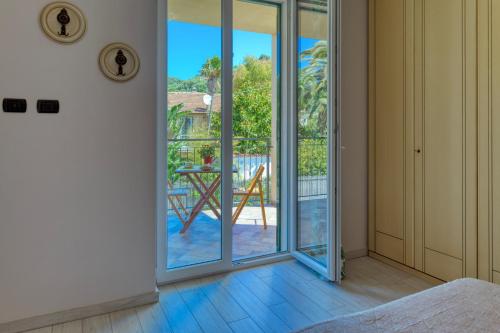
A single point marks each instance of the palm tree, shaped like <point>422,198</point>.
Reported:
<point>313,88</point>
<point>211,71</point>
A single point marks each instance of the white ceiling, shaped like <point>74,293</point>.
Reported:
<point>247,16</point>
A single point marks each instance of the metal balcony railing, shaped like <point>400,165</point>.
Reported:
<point>248,155</point>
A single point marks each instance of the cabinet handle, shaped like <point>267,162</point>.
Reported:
<point>418,151</point>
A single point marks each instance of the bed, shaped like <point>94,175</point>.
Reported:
<point>465,305</point>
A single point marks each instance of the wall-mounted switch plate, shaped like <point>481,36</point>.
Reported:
<point>47,106</point>
<point>14,105</point>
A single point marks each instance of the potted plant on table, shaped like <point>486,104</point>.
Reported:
<point>207,153</point>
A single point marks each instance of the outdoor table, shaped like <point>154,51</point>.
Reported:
<point>207,193</point>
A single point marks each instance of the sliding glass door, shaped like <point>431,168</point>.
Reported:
<point>315,180</point>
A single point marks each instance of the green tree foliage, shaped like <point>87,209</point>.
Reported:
<point>313,91</point>
<point>313,111</point>
<point>175,121</point>
<point>196,84</point>
<point>312,157</point>
<point>211,71</point>
<point>175,159</point>
<point>252,105</point>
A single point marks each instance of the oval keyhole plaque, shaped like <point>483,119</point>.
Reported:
<point>63,22</point>
<point>119,62</point>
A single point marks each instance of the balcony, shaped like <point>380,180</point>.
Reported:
<point>201,242</point>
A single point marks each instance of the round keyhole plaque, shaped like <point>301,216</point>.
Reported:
<point>63,22</point>
<point>119,62</point>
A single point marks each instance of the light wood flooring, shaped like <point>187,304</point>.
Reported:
<point>281,297</point>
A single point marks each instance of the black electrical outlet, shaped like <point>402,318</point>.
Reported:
<point>14,105</point>
<point>47,106</point>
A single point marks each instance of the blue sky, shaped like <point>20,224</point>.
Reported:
<point>190,45</point>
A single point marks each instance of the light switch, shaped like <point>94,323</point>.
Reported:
<point>14,105</point>
<point>47,106</point>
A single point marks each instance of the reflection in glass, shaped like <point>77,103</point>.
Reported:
<point>312,131</point>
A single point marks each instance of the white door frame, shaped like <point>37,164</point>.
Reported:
<point>332,271</point>
<point>226,263</point>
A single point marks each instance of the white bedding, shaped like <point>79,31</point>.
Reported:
<point>465,305</point>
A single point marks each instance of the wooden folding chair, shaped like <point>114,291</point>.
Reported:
<point>174,195</point>
<point>254,190</point>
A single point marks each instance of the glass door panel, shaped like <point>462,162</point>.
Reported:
<point>256,127</point>
<point>194,224</point>
<point>314,162</point>
<point>203,120</point>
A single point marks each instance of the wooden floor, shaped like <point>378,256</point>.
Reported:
<point>278,298</point>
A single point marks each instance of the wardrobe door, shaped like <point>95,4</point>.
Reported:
<point>449,138</point>
<point>489,145</point>
<point>389,117</point>
<point>495,137</point>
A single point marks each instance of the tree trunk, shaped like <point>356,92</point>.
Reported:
<point>211,91</point>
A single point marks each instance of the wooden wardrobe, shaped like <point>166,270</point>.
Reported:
<point>423,121</point>
<point>489,140</point>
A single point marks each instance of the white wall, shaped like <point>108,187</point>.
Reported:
<point>77,189</point>
<point>355,125</point>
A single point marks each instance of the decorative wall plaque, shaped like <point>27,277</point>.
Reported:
<point>63,22</point>
<point>119,62</point>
